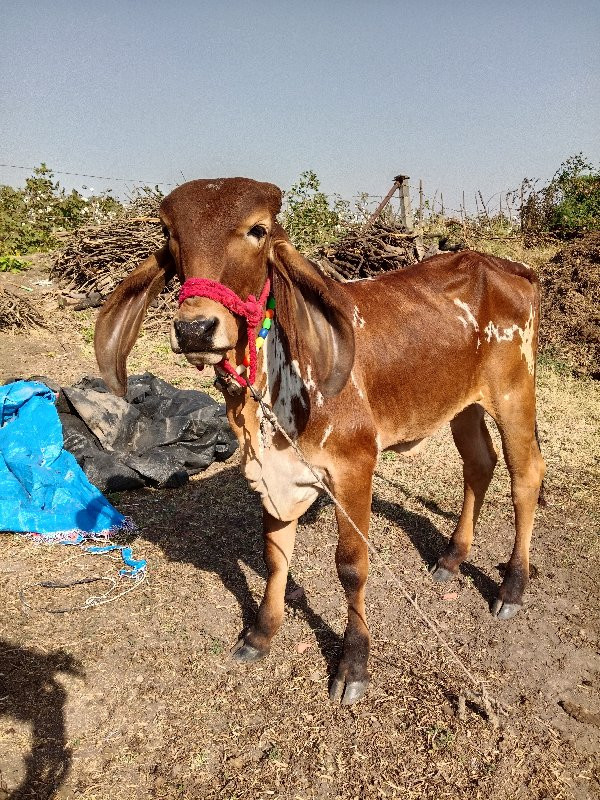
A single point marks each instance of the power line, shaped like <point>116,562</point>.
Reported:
<point>85,175</point>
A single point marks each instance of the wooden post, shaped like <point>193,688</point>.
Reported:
<point>421,205</point>
<point>442,203</point>
<point>405,206</point>
<point>380,207</point>
<point>400,183</point>
<point>521,210</point>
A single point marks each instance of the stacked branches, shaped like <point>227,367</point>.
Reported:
<point>17,313</point>
<point>366,253</point>
<point>97,258</point>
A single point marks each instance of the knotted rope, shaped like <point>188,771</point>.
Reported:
<point>251,310</point>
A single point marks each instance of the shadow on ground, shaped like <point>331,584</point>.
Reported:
<point>430,543</point>
<point>230,536</point>
<point>31,694</point>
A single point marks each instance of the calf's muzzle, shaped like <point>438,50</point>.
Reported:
<point>195,336</point>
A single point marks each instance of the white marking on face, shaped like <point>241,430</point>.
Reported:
<point>357,320</point>
<point>356,386</point>
<point>507,396</point>
<point>468,319</point>
<point>326,435</point>
<point>311,386</point>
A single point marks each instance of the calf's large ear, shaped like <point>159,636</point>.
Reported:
<point>312,316</point>
<point>121,316</point>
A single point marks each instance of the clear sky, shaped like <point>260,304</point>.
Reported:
<point>464,94</point>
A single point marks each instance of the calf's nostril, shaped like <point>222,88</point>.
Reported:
<point>195,334</point>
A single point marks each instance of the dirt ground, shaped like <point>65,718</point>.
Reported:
<point>138,699</point>
<point>571,304</point>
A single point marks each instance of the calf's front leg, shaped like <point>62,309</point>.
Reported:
<point>352,560</point>
<point>279,538</point>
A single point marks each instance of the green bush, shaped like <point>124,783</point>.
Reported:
<point>568,205</point>
<point>12,264</point>
<point>310,219</point>
<point>31,217</point>
<point>577,193</point>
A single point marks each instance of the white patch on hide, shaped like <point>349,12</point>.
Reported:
<point>527,342</point>
<point>357,320</point>
<point>356,386</point>
<point>378,443</point>
<point>326,435</point>
<point>492,331</point>
<point>468,319</point>
<point>280,370</point>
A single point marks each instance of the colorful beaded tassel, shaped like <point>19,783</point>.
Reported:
<point>262,334</point>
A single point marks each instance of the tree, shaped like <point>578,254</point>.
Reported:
<point>309,217</point>
<point>576,188</point>
<point>31,217</point>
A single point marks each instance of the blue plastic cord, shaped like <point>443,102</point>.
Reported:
<point>136,566</point>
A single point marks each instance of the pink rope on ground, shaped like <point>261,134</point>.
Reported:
<point>251,310</point>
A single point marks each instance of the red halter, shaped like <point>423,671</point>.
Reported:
<point>251,310</point>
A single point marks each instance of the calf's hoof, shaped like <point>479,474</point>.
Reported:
<point>347,692</point>
<point>504,610</point>
<point>244,653</point>
<point>441,574</point>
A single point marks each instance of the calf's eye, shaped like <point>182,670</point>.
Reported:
<point>258,232</point>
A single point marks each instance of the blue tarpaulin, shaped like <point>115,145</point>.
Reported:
<point>42,487</point>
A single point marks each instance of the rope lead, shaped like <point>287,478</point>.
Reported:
<point>479,685</point>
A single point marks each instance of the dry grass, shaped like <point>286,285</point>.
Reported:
<point>138,698</point>
<point>161,712</point>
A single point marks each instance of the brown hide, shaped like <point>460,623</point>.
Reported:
<point>349,370</point>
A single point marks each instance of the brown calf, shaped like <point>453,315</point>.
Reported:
<point>350,370</point>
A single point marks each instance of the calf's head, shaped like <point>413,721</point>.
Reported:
<point>225,230</point>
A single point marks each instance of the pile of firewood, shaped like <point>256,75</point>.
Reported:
<point>17,313</point>
<point>364,253</point>
<point>96,259</point>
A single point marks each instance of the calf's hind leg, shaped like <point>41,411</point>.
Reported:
<point>475,446</point>
<point>516,421</point>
